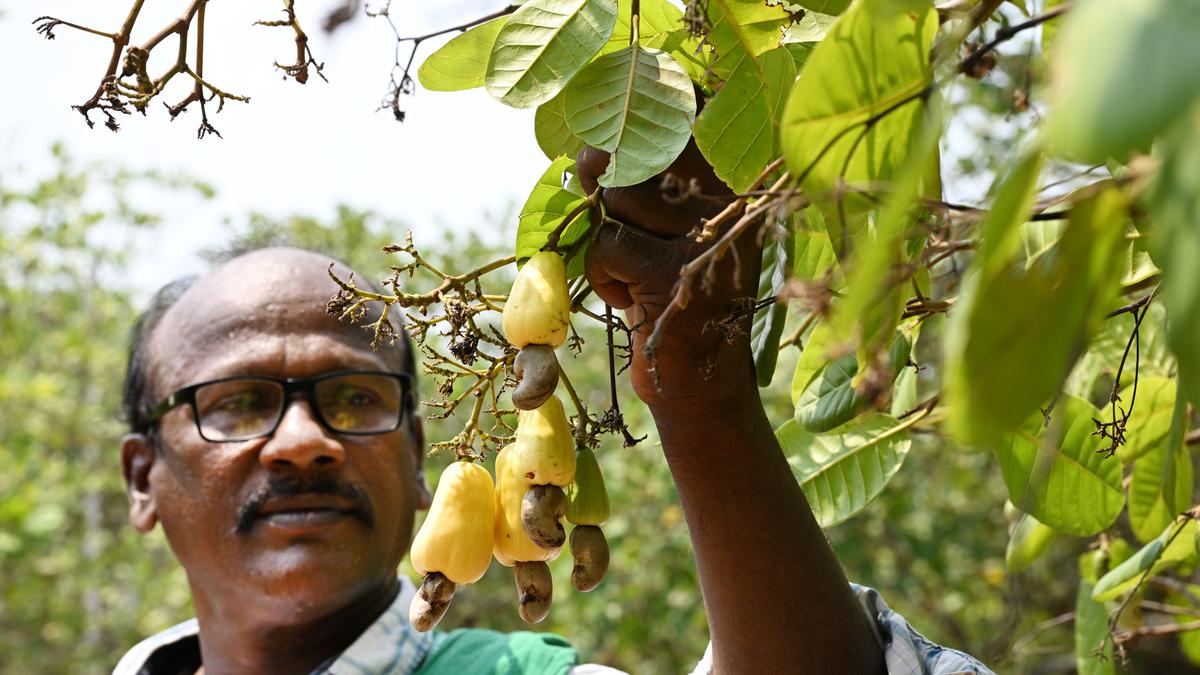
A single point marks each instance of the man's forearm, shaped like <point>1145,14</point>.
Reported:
<point>775,596</point>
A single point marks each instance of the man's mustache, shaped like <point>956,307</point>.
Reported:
<point>291,486</point>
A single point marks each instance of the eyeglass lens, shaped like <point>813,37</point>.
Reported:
<point>353,403</point>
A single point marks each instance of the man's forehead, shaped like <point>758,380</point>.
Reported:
<point>229,315</point>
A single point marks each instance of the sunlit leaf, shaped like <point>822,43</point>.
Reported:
<point>814,257</point>
<point>1161,485</point>
<point>1151,418</point>
<point>812,27</point>
<point>812,359</point>
<point>875,59</point>
<point>842,472</point>
<point>462,62</point>
<point>638,105</point>
<point>736,131</point>
<point>548,203</point>
<point>1125,70</point>
<point>550,129</point>
<point>1058,476</point>
<point>1151,559</point>
<point>543,45</point>
<point>831,397</point>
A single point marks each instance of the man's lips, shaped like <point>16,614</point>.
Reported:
<point>289,500</point>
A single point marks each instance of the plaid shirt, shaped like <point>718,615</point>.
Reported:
<point>390,646</point>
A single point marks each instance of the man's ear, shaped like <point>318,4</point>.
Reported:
<point>137,458</point>
<point>417,429</point>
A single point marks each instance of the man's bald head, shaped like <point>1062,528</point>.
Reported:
<point>267,286</point>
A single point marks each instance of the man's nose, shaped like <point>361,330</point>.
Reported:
<point>301,442</point>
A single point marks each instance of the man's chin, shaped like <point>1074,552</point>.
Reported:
<point>297,587</point>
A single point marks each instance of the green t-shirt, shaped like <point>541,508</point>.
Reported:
<point>477,651</point>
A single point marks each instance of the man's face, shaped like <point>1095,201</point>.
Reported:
<point>299,524</point>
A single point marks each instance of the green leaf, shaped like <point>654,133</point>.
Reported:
<point>1151,418</point>
<point>462,62</point>
<point>1091,621</point>
<point>1161,485</point>
<point>741,29</point>
<point>767,326</point>
<point>812,359</point>
<point>831,399</point>
<point>1175,245</point>
<point>812,27</point>
<point>1124,71</point>
<point>550,129</point>
<point>1028,541</point>
<point>842,472</point>
<point>638,105</point>
<point>543,45</point>
<point>736,131</point>
<point>814,257</point>
<point>824,6</point>
<point>544,211</point>
<point>1057,474</point>
<point>1004,359</point>
<point>1154,557</point>
<point>874,59</point>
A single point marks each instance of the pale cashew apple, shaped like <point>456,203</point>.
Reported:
<point>544,457</point>
<point>514,548</point>
<point>539,304</point>
<point>454,544</point>
<point>588,509</point>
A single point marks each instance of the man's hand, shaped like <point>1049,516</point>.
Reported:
<point>775,597</point>
<point>703,360</point>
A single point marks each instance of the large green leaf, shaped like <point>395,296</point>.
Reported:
<point>1125,71</point>
<point>1058,476</point>
<point>814,256</point>
<point>660,26</point>
<point>767,326</point>
<point>550,129</point>
<point>1176,248</point>
<point>1151,559</point>
<point>1091,621</point>
<point>543,45</point>
<point>638,105</point>
<point>1004,358</point>
<point>842,472</point>
<point>548,203</point>
<point>736,131</point>
<point>831,399</point>
<point>741,29</point>
<point>812,359</point>
<point>462,62</point>
<point>812,27</point>
<point>1028,541</point>
<point>874,58</point>
<point>1151,418</point>
<point>1161,485</point>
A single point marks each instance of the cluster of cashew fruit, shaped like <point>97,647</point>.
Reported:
<point>540,478</point>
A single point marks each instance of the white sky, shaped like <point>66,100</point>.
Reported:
<point>292,149</point>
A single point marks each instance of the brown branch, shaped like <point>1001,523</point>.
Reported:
<point>1005,34</point>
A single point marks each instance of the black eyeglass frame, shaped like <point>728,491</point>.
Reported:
<point>291,386</point>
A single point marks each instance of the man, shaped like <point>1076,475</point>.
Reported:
<point>290,508</point>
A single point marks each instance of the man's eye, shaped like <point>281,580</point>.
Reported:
<point>355,398</point>
<point>244,402</point>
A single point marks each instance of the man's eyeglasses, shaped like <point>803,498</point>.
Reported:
<point>248,407</point>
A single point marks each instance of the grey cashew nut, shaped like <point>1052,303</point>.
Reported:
<point>541,510</point>
<point>430,603</point>
<point>536,368</point>
<point>535,590</point>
